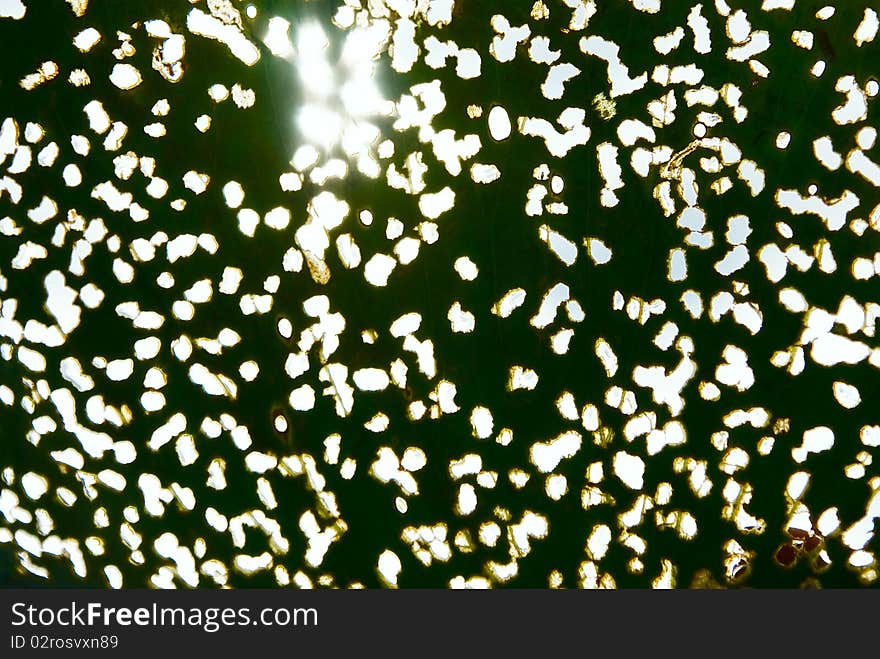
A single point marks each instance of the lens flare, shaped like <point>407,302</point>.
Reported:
<point>340,96</point>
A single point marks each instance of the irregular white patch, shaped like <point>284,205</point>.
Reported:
<point>847,395</point>
<point>14,9</point>
<point>86,39</point>
<point>553,86</point>
<point>379,268</point>
<point>618,74</point>
<point>451,151</point>
<point>667,388</point>
<point>482,423</point>
<point>349,252</point>
<point>598,251</point>
<point>371,379</point>
<point>815,440</point>
<point>99,121</point>
<point>858,163</point>
<point>433,205</point>
<point>196,182</point>
<point>277,39</point>
<point>277,218</point>
<point>546,456</point>
<point>406,325</point>
<point>233,194</point>
<point>700,28</point>
<point>734,260</point>
<point>115,200</point>
<point>738,230</point>
<point>469,64</point>
<point>405,51</point>
<point>556,296</point>
<point>663,109</point>
<point>509,302</point>
<point>666,43</point>
<point>60,302</point>
<point>867,29</point>
<point>389,567</point>
<point>866,137</point>
<point>93,443</point>
<point>831,349</point>
<point>31,359</point>
<point>125,76</point>
<point>438,52</point>
<point>540,53</point>
<point>503,46</point>
<point>467,499</point>
<point>630,469</point>
<point>522,378</point>
<point>45,210</point>
<point>677,265</point>
<point>738,27</point>
<point>855,107</point>
<point>198,22</point>
<point>757,43</point>
<point>558,144</point>
<point>610,171</point>
<point>632,130</point>
<point>561,246</point>
<point>302,398</point>
<point>582,12</point>
<point>870,436</point>
<point>243,98</point>
<point>461,321</point>
<point>735,371</point>
<point>825,153</point>
<point>749,315</point>
<point>485,174</point>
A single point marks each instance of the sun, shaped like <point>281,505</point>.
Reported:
<point>341,100</point>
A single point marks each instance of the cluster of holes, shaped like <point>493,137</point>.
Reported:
<point>347,129</point>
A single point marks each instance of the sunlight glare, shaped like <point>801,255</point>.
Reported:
<point>277,39</point>
<point>320,124</point>
<point>314,69</point>
<point>337,98</point>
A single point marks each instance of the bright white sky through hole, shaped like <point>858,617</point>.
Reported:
<point>340,98</point>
